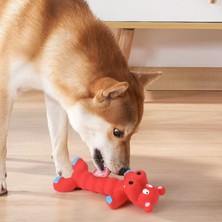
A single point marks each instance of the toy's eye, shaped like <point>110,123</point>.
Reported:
<point>130,182</point>
<point>138,173</point>
<point>146,192</point>
<point>118,133</point>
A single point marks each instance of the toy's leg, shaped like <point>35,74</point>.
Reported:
<point>6,103</point>
<point>78,164</point>
<point>58,129</point>
<point>62,184</point>
<point>117,200</point>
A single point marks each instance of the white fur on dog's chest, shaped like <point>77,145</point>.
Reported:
<point>23,76</point>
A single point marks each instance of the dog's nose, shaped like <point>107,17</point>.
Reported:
<point>123,171</point>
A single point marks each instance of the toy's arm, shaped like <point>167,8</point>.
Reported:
<point>118,196</point>
<point>62,184</point>
<point>116,202</point>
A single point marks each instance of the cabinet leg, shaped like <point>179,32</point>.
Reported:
<point>125,40</point>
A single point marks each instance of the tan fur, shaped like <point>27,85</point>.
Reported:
<point>3,5</point>
<point>77,63</point>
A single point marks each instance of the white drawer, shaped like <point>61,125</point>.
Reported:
<point>157,10</point>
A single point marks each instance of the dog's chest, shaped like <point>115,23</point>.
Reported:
<point>23,76</point>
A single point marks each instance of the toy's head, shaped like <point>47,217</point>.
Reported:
<point>140,192</point>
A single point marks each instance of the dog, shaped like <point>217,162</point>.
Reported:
<point>61,48</point>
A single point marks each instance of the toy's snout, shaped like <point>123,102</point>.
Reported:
<point>150,196</point>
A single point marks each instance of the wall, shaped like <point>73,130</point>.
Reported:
<point>157,10</point>
<point>168,48</point>
<point>177,48</point>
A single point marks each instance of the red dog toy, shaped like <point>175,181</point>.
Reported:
<point>133,187</point>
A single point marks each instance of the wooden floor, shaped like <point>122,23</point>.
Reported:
<point>179,144</point>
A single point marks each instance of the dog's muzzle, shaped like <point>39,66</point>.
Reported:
<point>98,158</point>
<point>123,171</point>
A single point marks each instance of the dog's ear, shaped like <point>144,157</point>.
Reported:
<point>148,78</point>
<point>108,89</point>
<point>116,90</point>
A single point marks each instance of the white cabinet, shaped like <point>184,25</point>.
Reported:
<point>157,10</point>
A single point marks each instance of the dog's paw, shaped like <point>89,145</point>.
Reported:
<point>64,170</point>
<point>3,187</point>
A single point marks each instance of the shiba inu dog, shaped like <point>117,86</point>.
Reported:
<point>59,47</point>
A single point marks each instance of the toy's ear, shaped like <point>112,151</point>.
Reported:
<point>161,190</point>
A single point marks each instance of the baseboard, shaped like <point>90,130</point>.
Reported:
<point>185,78</point>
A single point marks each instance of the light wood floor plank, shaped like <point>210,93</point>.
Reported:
<point>179,144</point>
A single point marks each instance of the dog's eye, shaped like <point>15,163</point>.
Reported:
<point>118,133</point>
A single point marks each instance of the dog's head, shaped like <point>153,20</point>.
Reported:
<point>107,120</point>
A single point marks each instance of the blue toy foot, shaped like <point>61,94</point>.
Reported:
<point>75,161</point>
<point>57,179</point>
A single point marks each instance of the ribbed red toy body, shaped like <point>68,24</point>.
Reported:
<point>106,186</point>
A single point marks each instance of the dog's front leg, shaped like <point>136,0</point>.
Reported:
<point>58,129</point>
<point>6,103</point>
